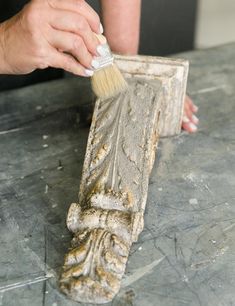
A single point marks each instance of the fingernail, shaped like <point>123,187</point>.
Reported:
<point>95,64</point>
<point>185,119</point>
<point>89,72</point>
<point>101,29</point>
<point>102,39</point>
<point>195,119</point>
<point>195,108</point>
<point>192,127</point>
<point>101,50</point>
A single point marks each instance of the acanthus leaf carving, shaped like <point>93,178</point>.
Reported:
<point>113,191</point>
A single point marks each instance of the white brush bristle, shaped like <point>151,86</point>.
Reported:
<point>108,82</point>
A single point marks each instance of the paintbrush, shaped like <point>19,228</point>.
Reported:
<point>107,80</point>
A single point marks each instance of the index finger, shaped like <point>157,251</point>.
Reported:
<point>81,7</point>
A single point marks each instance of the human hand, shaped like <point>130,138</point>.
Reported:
<point>190,121</point>
<point>51,33</point>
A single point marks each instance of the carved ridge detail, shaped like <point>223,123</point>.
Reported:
<point>113,192</point>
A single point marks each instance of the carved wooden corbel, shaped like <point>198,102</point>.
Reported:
<point>109,216</point>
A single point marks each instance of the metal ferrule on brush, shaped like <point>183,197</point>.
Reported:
<point>106,59</point>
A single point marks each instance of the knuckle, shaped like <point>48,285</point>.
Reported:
<point>42,65</point>
<point>31,15</point>
<point>52,3</point>
<point>82,24</point>
<point>41,56</point>
<point>41,52</point>
<point>78,43</point>
<point>79,4</point>
<point>86,60</point>
<point>68,64</point>
<point>97,19</point>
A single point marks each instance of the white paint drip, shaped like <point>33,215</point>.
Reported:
<point>193,201</point>
<point>208,89</point>
<point>10,131</point>
<point>25,283</point>
<point>46,189</point>
<point>139,273</point>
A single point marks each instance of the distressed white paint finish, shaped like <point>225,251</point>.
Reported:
<point>172,73</point>
<point>119,158</point>
<point>113,191</point>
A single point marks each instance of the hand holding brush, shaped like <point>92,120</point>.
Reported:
<point>107,80</point>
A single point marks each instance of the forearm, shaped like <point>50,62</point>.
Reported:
<point>121,19</point>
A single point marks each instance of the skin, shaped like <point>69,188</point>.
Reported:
<point>66,34</point>
<point>122,30</point>
<point>122,25</point>
<point>50,33</point>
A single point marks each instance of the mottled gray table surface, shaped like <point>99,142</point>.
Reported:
<point>186,253</point>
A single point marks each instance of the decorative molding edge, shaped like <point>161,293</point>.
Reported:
<point>173,73</point>
<point>119,158</point>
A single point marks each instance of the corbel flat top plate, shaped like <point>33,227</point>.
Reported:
<point>172,73</point>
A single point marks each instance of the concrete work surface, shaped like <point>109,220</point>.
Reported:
<point>185,255</point>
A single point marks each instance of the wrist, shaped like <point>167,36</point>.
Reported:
<point>3,63</point>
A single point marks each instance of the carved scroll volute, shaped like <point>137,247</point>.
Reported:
<point>94,267</point>
<point>113,191</point>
